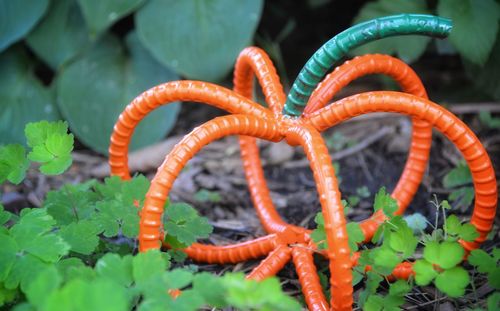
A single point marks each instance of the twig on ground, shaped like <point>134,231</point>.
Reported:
<point>348,151</point>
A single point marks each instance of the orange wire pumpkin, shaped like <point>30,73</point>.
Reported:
<point>250,120</point>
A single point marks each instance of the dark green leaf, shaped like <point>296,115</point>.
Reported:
<point>194,50</point>
<point>95,89</point>
<point>481,260</point>
<point>183,222</point>
<point>24,98</point>
<point>82,236</point>
<point>475,26</point>
<point>71,203</point>
<point>13,163</point>
<point>486,77</point>
<point>100,15</point>
<point>61,35</point>
<point>458,176</point>
<point>18,17</point>
<point>462,197</point>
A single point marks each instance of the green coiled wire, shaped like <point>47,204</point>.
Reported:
<point>338,47</point>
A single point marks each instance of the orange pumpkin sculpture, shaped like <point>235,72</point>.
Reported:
<point>250,120</point>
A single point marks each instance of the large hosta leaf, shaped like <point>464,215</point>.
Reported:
<point>475,26</point>
<point>99,14</point>
<point>61,35</point>
<point>198,39</point>
<point>17,17</point>
<point>409,48</point>
<point>94,90</point>
<point>23,98</point>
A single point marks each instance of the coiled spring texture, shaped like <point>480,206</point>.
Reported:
<point>287,242</point>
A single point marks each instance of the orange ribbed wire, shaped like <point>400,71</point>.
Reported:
<point>309,279</point>
<point>233,253</point>
<point>338,251</point>
<point>421,139</point>
<point>166,93</point>
<point>254,60</point>
<point>276,260</point>
<point>150,226</point>
<point>483,174</point>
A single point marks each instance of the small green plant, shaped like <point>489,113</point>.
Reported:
<point>459,180</point>
<point>397,240</point>
<point>50,144</point>
<point>77,250</point>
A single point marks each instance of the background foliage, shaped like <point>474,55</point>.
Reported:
<point>85,60</point>
<point>97,70</point>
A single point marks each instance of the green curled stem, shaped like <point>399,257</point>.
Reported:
<point>338,47</point>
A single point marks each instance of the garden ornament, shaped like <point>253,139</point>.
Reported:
<point>284,120</point>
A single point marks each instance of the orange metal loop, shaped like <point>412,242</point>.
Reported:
<point>150,235</point>
<point>254,60</point>
<point>163,94</point>
<point>422,131</point>
<point>483,175</point>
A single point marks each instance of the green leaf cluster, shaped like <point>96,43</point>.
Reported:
<point>142,282</point>
<point>50,145</point>
<point>488,264</point>
<point>183,225</point>
<point>440,265</point>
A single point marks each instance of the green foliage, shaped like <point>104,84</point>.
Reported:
<point>252,295</point>
<point>64,25</point>
<point>486,77</point>
<point>51,146</point>
<point>409,48</point>
<point>459,179</point>
<point>475,26</point>
<point>184,225</point>
<point>95,73</point>
<point>385,202</point>
<point>449,278</point>
<point>24,98</point>
<point>92,109</point>
<point>18,17</point>
<point>489,264</point>
<point>99,15</point>
<point>193,50</point>
<point>13,163</point>
<point>489,121</point>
